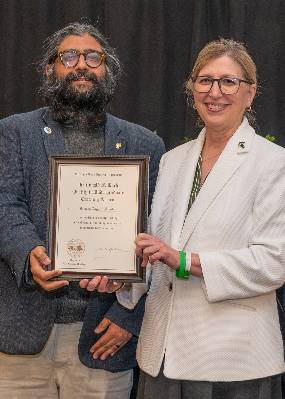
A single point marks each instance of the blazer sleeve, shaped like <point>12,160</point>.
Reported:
<point>132,296</point>
<point>259,268</point>
<point>17,232</point>
<point>157,151</point>
<point>128,319</point>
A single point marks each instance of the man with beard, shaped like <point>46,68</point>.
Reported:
<point>41,319</point>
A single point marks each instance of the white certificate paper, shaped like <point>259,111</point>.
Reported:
<point>96,218</point>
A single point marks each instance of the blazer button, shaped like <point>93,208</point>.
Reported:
<point>170,287</point>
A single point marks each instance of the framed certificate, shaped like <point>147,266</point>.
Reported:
<point>97,207</point>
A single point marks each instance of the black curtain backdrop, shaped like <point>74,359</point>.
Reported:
<point>158,41</point>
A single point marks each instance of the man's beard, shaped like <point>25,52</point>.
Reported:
<point>77,106</point>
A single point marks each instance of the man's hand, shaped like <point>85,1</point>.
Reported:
<point>113,340</point>
<point>100,284</point>
<point>39,261</point>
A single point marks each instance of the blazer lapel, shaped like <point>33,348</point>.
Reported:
<point>115,140</point>
<point>228,163</point>
<point>52,135</point>
<point>183,187</point>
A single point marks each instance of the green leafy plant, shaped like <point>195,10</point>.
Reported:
<point>185,139</point>
<point>270,137</point>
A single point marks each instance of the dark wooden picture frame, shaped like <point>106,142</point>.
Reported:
<point>76,247</point>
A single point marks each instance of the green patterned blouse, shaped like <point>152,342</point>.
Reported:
<point>196,183</point>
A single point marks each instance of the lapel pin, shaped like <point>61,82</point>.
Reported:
<point>47,130</point>
<point>241,144</point>
<point>118,146</point>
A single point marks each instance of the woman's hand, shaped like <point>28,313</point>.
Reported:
<point>151,249</point>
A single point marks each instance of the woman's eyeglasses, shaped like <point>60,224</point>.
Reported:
<point>204,84</point>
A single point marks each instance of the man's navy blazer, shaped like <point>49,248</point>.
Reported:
<point>27,313</point>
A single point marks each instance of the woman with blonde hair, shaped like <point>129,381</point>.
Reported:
<point>215,249</point>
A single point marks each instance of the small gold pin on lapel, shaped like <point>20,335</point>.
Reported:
<point>118,146</point>
<point>47,130</point>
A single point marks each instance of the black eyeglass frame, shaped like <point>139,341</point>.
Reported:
<point>85,53</point>
<point>219,83</point>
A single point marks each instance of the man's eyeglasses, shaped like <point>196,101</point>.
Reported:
<point>92,58</point>
<point>204,84</point>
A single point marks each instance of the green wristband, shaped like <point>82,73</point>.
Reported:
<point>181,272</point>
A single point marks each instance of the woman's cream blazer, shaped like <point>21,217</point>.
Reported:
<point>225,326</point>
